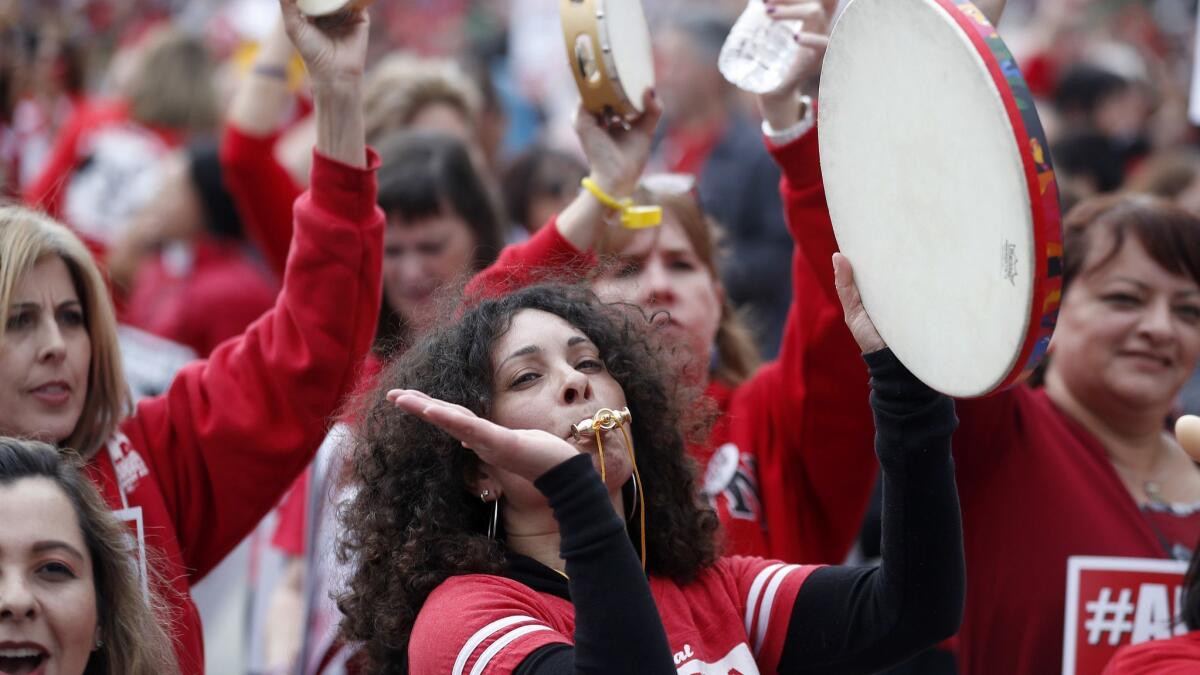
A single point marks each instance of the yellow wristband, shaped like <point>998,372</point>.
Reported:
<point>632,217</point>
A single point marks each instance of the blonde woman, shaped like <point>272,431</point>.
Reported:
<point>192,471</point>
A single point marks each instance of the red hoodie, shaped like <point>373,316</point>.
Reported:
<point>200,465</point>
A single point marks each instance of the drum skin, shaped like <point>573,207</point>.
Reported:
<point>608,47</point>
<point>965,288</point>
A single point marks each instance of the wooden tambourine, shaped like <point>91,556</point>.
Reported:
<point>316,8</point>
<point>608,45</point>
<point>941,191</point>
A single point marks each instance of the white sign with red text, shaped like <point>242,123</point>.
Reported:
<point>1114,602</point>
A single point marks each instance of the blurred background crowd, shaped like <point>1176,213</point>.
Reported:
<point>112,114</point>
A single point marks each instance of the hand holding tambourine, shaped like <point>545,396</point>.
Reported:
<point>1187,432</point>
<point>617,154</point>
<point>330,36</point>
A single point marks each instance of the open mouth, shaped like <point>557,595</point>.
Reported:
<point>24,661</point>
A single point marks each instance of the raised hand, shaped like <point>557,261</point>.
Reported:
<point>860,324</point>
<point>334,48</point>
<point>528,453</point>
<point>617,155</point>
<point>781,108</point>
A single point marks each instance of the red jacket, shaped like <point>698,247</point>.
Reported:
<point>205,461</point>
<point>789,464</point>
<point>1035,488</point>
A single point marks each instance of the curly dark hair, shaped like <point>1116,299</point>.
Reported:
<point>414,522</point>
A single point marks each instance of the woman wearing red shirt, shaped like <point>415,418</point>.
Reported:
<point>193,470</point>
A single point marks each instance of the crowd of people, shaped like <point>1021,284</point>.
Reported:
<point>479,425</point>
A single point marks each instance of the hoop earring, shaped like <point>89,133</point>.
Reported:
<point>491,533</point>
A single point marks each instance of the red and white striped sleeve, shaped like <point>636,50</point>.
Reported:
<point>766,594</point>
<point>479,625</point>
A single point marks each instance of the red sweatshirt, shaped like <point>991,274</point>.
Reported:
<point>789,464</point>
<point>1035,487</point>
<point>263,191</point>
<point>217,294</point>
<point>201,464</point>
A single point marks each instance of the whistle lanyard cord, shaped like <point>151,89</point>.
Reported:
<point>637,477</point>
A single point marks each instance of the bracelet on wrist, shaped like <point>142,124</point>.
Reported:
<point>633,217</point>
<point>271,71</point>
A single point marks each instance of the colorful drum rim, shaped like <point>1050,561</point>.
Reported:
<point>590,46</point>
<point>1039,177</point>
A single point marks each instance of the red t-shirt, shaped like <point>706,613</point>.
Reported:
<point>1178,656</point>
<point>732,618</point>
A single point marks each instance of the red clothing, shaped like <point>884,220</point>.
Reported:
<point>1178,656</point>
<point>790,463</point>
<point>1035,488</point>
<point>101,171</point>
<point>205,461</point>
<point>688,151</point>
<point>262,190</point>
<point>1022,461</point>
<point>732,618</point>
<point>218,294</point>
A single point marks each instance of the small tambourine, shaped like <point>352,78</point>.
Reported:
<point>608,45</point>
<point>317,8</point>
<point>941,191</point>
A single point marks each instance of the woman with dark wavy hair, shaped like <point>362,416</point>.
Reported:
<point>531,508</point>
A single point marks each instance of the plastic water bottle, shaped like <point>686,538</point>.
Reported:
<point>759,50</point>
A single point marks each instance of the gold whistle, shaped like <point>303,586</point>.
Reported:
<point>605,418</point>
